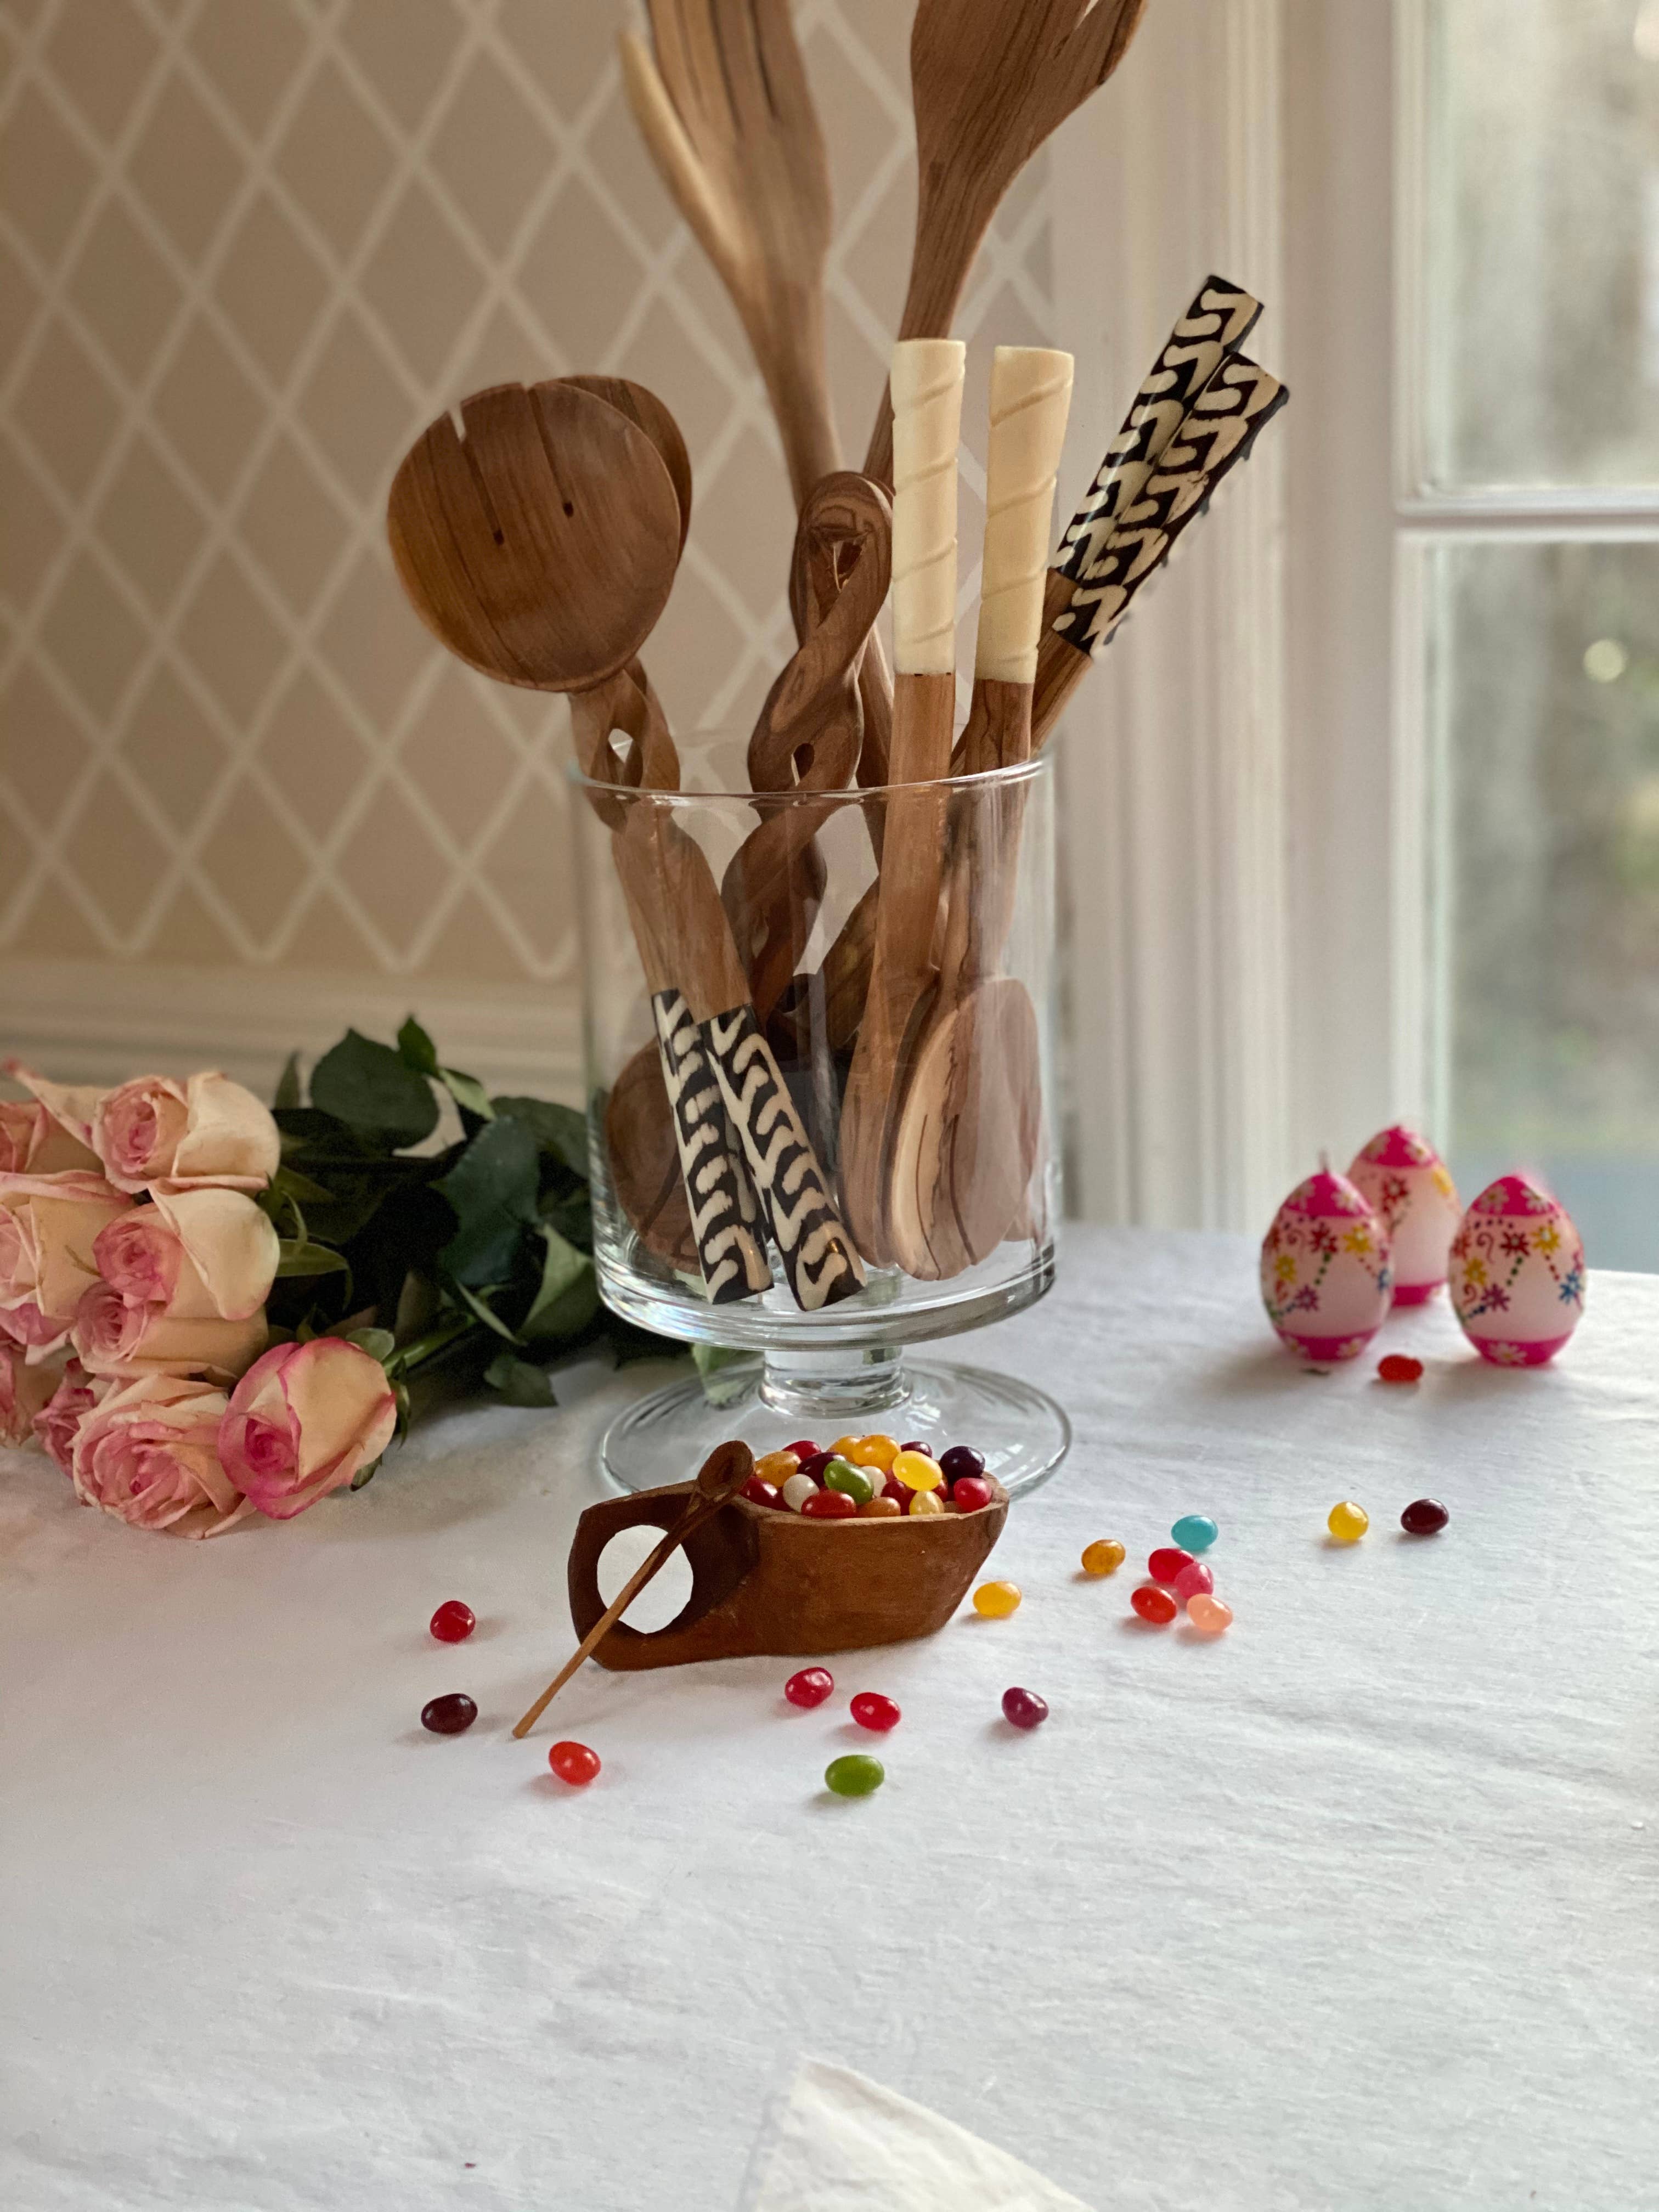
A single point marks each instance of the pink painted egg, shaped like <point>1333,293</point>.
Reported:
<point>1404,1182</point>
<point>1325,1278</point>
<point>1517,1274</point>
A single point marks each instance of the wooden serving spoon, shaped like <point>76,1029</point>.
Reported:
<point>966,1140</point>
<point>719,1479</point>
<point>990,81</point>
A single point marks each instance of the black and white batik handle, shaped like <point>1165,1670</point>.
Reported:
<point>1216,435</point>
<point>819,1257</point>
<point>1217,323</point>
<point>725,1216</point>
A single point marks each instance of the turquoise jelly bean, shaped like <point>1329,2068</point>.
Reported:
<point>1195,1532</point>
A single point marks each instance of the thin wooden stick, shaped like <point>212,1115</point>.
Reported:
<point>721,1476</point>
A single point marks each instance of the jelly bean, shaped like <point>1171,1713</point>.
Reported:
<point>1424,1516</point>
<point>1153,1603</point>
<point>915,1444</point>
<point>853,1480</point>
<point>1024,1709</point>
<point>872,1710</point>
<point>1167,1563</point>
<point>574,1763</point>
<point>797,1489</point>
<point>776,1467</point>
<point>1194,1580</point>
<point>881,1509</point>
<point>923,1502</point>
<point>874,1451</point>
<point>1195,1532</point>
<point>996,1601</point>
<point>972,1493</point>
<point>804,1448</point>
<point>1400,1367</point>
<point>1104,1556</point>
<point>893,1488</point>
<point>830,1505</point>
<point>1347,1521</point>
<point>759,1493</point>
<point>961,1460</point>
<point>810,1687</point>
<point>854,1775</point>
<point>449,1715</point>
<point>816,1465</point>
<point>1208,1614</point>
<point>917,1472</point>
<point>843,1446</point>
<point>454,1622</point>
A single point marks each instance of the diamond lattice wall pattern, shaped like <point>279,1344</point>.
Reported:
<point>248,248</point>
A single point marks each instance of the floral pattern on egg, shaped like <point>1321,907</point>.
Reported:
<point>1404,1182</point>
<point>1327,1275</point>
<point>1517,1274</point>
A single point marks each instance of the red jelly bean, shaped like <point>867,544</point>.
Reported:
<point>449,1715</point>
<point>810,1687</point>
<point>816,1465</point>
<point>1168,1562</point>
<point>1424,1516</point>
<point>454,1622</point>
<point>574,1763</point>
<point>900,1493</point>
<point>1153,1604</point>
<point>872,1710</point>
<point>1024,1709</point>
<point>759,1492</point>
<point>971,1492</point>
<point>960,1459</point>
<point>915,1446</point>
<point>1194,1580</point>
<point>1398,1367</point>
<point>830,1505</point>
<point>804,1448</point>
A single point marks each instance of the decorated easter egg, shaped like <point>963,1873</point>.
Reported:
<point>1404,1182</point>
<point>1325,1278</point>
<point>1517,1274</point>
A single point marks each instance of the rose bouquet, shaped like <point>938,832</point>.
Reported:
<point>208,1308</point>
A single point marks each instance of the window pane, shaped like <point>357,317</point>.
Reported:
<point>1543,272</point>
<point>1546,658</point>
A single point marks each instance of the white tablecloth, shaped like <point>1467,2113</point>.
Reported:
<point>1356,1907</point>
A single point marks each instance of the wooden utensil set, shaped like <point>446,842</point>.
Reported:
<point>540,541</point>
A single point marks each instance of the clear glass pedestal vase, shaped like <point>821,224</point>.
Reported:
<point>940,1186</point>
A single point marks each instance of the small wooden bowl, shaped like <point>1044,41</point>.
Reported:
<point>765,1583</point>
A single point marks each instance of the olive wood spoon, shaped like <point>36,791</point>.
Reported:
<point>719,1479</point>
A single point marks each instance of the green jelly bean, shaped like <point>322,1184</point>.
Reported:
<point>841,1474</point>
<point>855,1776</point>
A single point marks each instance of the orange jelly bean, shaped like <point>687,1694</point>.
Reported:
<point>873,1451</point>
<point>776,1467</point>
<point>880,1509</point>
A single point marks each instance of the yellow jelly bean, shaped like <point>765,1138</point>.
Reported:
<point>1347,1521</point>
<point>777,1468</point>
<point>917,1472</point>
<point>880,1509</point>
<point>996,1601</point>
<point>844,1447</point>
<point>1104,1558</point>
<point>874,1451</point>
<point>925,1502</point>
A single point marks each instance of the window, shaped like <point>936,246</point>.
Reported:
<point>1529,455</point>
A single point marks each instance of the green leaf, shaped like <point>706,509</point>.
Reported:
<point>417,1049</point>
<point>298,1259</point>
<point>468,1093</point>
<point>518,1382</point>
<point>569,1296</point>
<point>287,1083</point>
<point>370,1087</point>
<point>492,1189</point>
<point>365,1475</point>
<point>379,1343</point>
<point>486,1314</point>
<point>559,1130</point>
<point>289,1182</point>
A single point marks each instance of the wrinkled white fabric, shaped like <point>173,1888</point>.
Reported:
<point>1356,1910</point>
<point>839,2144</point>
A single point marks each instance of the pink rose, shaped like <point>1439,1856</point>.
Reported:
<point>184,1136</point>
<point>59,1422</point>
<point>120,1336</point>
<point>303,1421</point>
<point>33,1143</point>
<point>24,1393</point>
<point>48,1226</point>
<point>185,1284</point>
<point>148,1454</point>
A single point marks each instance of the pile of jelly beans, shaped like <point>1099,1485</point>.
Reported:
<point>1175,1576</point>
<point>872,1478</point>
